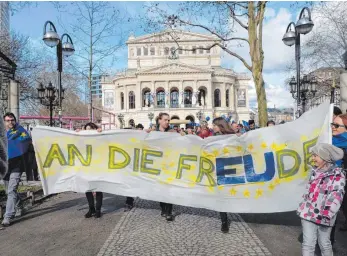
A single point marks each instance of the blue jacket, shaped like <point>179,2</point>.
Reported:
<point>340,141</point>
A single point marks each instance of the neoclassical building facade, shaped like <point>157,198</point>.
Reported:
<point>171,72</point>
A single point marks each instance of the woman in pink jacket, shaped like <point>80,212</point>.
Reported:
<point>322,200</point>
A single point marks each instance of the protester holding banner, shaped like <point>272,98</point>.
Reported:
<point>163,126</point>
<point>221,127</point>
<point>94,209</point>
<point>18,144</point>
<point>322,200</point>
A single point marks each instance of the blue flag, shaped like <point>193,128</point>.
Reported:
<point>340,141</point>
<point>18,141</point>
<point>245,123</point>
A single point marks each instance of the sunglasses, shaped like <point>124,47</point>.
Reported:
<point>336,126</point>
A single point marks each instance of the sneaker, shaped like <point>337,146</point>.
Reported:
<point>169,217</point>
<point>225,227</point>
<point>19,212</point>
<point>6,222</point>
<point>128,207</point>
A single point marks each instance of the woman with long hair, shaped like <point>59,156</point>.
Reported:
<point>221,127</point>
<point>94,209</point>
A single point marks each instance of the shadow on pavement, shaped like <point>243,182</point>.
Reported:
<point>279,218</point>
<point>111,203</point>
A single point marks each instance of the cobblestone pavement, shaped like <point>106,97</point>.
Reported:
<point>144,232</point>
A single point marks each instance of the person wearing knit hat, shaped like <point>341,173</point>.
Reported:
<point>322,199</point>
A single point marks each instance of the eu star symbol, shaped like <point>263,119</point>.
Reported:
<point>226,151</point>
<point>271,186</point>
<point>13,132</point>
<point>246,193</point>
<point>250,147</point>
<point>263,145</point>
<point>233,191</point>
<point>258,192</point>
<point>23,134</point>
<point>239,148</point>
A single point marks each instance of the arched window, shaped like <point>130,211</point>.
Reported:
<point>121,100</point>
<point>227,98</point>
<point>161,99</point>
<point>166,51</point>
<point>131,100</point>
<point>174,99</point>
<point>217,98</point>
<point>188,98</point>
<point>146,98</point>
<point>202,97</point>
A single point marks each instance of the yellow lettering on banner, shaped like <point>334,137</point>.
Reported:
<point>54,153</point>
<point>136,159</point>
<point>73,151</point>
<point>183,166</point>
<point>208,171</point>
<point>145,161</point>
<point>111,158</point>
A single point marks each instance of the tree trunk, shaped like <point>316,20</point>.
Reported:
<point>255,35</point>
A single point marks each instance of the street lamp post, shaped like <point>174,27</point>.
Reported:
<point>51,39</point>
<point>303,26</point>
<point>199,115</point>
<point>150,117</point>
<point>121,120</point>
<point>48,98</point>
<point>307,91</point>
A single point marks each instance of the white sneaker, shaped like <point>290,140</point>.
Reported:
<point>19,212</point>
<point>6,222</point>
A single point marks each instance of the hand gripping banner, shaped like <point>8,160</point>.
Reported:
<point>264,170</point>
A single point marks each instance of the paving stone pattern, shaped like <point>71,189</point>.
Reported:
<point>195,232</point>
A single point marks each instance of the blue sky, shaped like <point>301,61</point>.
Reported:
<point>30,20</point>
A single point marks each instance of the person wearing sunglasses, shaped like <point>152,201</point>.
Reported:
<point>339,140</point>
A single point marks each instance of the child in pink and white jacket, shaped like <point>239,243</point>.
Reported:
<point>322,200</point>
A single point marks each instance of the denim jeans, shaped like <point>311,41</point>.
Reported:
<point>13,199</point>
<point>311,232</point>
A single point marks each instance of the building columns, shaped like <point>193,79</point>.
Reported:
<point>13,98</point>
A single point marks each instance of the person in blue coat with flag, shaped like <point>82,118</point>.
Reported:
<point>18,141</point>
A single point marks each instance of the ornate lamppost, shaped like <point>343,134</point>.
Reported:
<point>150,116</point>
<point>303,26</point>
<point>121,120</point>
<point>51,38</point>
<point>48,98</point>
<point>199,115</point>
<point>307,91</point>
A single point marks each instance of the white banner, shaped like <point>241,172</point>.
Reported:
<point>262,171</point>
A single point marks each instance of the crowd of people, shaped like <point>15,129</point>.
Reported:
<point>324,196</point>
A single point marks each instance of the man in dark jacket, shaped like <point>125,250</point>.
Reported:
<point>18,141</point>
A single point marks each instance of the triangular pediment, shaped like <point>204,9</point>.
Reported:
<point>174,67</point>
<point>172,36</point>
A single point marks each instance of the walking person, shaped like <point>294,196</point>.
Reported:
<point>322,199</point>
<point>221,127</point>
<point>18,141</point>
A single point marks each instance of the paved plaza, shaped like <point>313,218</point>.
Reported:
<point>143,232</point>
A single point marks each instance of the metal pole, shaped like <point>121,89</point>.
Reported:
<point>332,95</point>
<point>297,60</point>
<point>60,89</point>
<point>50,113</point>
<point>303,104</point>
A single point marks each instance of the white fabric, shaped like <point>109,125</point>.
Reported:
<point>244,187</point>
